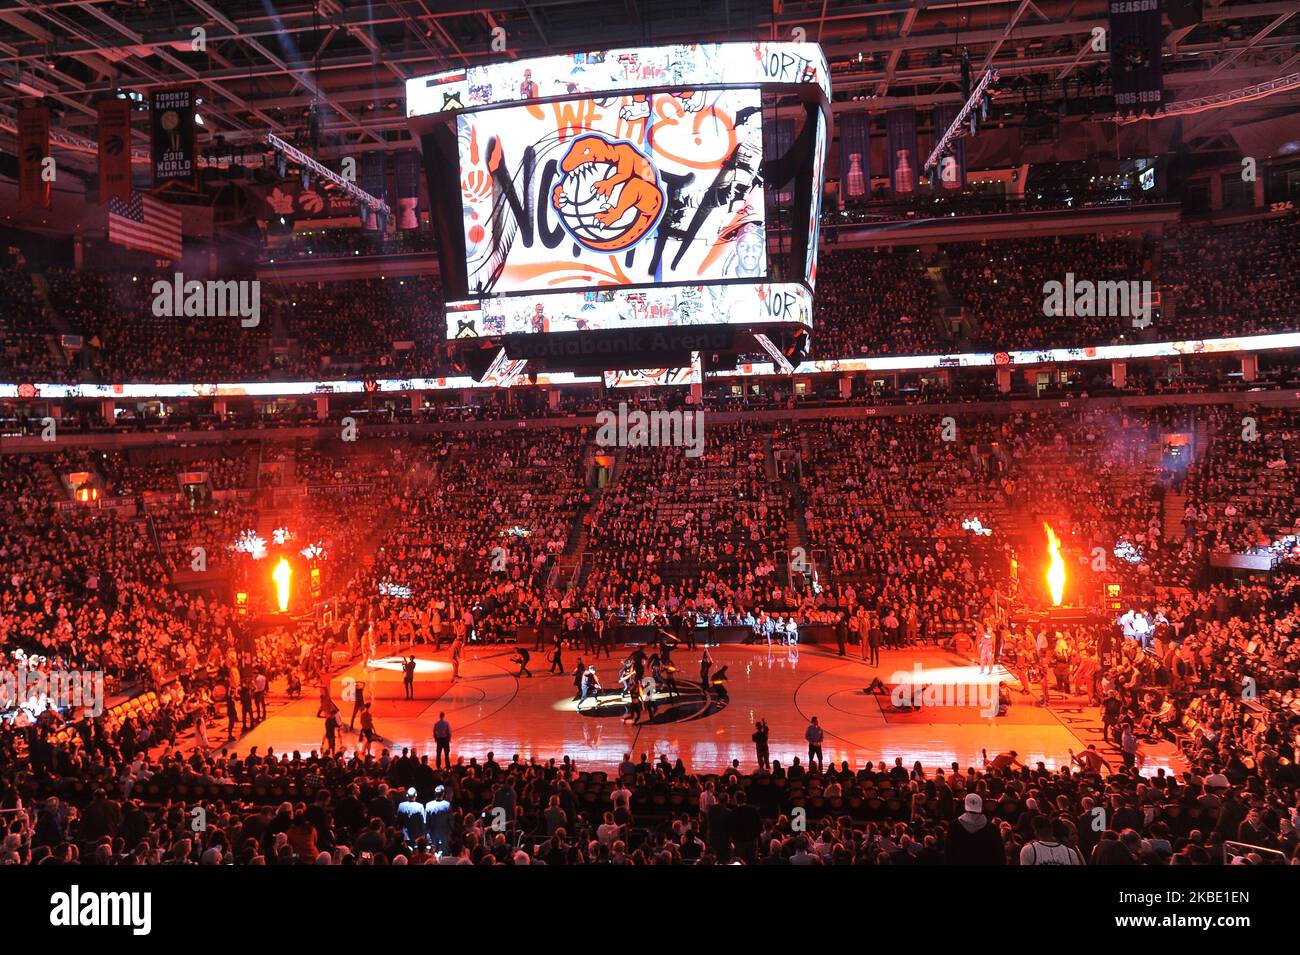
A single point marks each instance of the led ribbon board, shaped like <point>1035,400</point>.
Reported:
<point>511,375</point>
<point>610,71</point>
<point>616,308</point>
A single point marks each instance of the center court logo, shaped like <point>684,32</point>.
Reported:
<point>76,908</point>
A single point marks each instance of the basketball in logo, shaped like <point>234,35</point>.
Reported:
<point>113,145</point>
<point>609,197</point>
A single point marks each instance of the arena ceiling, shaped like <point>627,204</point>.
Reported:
<point>267,64</point>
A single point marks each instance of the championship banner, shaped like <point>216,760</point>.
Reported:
<point>855,157</point>
<point>291,199</point>
<point>172,123</point>
<point>950,172</point>
<point>406,182</point>
<point>904,162</point>
<point>33,149</point>
<point>373,180</point>
<point>114,149</point>
<point>1135,71</point>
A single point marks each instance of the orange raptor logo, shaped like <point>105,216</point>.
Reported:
<point>633,171</point>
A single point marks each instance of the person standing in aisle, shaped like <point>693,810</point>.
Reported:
<point>814,734</point>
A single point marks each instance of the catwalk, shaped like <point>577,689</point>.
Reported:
<point>491,709</point>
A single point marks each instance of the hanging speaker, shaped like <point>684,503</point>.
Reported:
<point>1183,13</point>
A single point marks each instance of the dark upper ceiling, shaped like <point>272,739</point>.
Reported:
<point>266,63</point>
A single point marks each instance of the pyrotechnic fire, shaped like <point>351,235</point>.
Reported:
<point>281,577</point>
<point>1055,567</point>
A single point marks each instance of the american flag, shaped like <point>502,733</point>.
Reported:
<point>146,224</point>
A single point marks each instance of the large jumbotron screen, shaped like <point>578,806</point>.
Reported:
<point>627,188</point>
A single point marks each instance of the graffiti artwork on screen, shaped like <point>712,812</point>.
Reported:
<point>634,189</point>
<point>692,374</point>
<point>583,74</point>
<point>814,215</point>
<point>614,308</point>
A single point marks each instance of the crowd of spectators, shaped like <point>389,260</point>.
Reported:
<point>474,541</point>
<point>1002,285</point>
<point>388,326</point>
<point>699,533</point>
<point>470,535</point>
<point>125,339</point>
<point>27,350</point>
<point>345,243</point>
<point>873,302</point>
<point>1242,492</point>
<point>884,504</point>
<point>1211,281</point>
<point>121,793</point>
<point>1231,280</point>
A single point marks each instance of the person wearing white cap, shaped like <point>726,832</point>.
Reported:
<point>972,839</point>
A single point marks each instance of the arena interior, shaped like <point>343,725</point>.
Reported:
<point>565,432</point>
